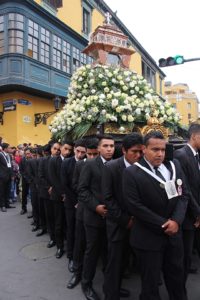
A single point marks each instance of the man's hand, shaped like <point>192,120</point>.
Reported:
<point>170,227</point>
<point>101,210</point>
<point>50,190</point>
<point>197,222</point>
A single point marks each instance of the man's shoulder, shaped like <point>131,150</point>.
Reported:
<point>181,151</point>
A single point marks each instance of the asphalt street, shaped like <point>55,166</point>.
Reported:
<point>30,271</point>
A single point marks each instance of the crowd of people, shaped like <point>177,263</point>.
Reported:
<point>129,205</point>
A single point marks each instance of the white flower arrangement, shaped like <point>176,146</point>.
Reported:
<point>103,94</point>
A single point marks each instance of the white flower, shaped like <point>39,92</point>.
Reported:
<point>121,128</point>
<point>138,111</point>
<point>114,103</point>
<point>130,118</point>
<point>106,90</point>
<point>104,83</point>
<point>109,96</point>
<point>102,96</point>
<point>91,82</point>
<point>124,118</point>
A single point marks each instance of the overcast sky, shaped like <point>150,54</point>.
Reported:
<point>166,28</point>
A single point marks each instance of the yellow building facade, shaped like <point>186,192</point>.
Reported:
<point>45,48</point>
<point>184,100</point>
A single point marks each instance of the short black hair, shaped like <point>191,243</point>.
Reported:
<point>104,137</point>
<point>194,128</point>
<point>4,146</point>
<point>55,143</point>
<point>68,142</point>
<point>80,143</point>
<point>92,143</point>
<point>131,140</point>
<point>153,135</point>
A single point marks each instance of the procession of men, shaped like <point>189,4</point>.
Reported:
<point>130,208</point>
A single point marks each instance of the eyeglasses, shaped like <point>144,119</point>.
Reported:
<point>56,149</point>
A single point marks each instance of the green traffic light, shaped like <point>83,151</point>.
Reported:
<point>179,59</point>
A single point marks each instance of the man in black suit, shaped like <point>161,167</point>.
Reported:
<point>45,187</point>
<point>118,220</point>
<point>67,170</point>
<point>79,242</point>
<point>90,194</point>
<point>25,184</point>
<point>5,176</point>
<point>156,197</point>
<point>32,177</point>
<point>57,194</point>
<point>189,159</point>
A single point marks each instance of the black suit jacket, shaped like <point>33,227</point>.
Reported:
<point>191,170</point>
<point>43,177</point>
<point>90,192</point>
<point>23,168</point>
<point>54,171</point>
<point>32,173</point>
<point>75,181</point>
<point>118,217</point>
<point>67,171</point>
<point>147,201</point>
<point>5,172</point>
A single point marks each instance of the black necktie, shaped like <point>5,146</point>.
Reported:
<point>159,174</point>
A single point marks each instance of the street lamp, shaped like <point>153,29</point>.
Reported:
<point>42,117</point>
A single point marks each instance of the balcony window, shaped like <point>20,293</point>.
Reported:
<point>83,59</point>
<point>66,57</point>
<point>33,42</point>
<point>15,21</point>
<point>2,42</point>
<point>189,105</point>
<point>15,41</point>
<point>57,43</point>
<point>15,33</point>
<point>76,58</point>
<point>44,46</point>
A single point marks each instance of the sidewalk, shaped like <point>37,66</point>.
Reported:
<point>30,271</point>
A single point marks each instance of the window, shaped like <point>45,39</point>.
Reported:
<point>83,59</point>
<point>2,35</point>
<point>15,33</point>
<point>174,105</point>
<point>86,21</point>
<point>66,57</point>
<point>149,74</point>
<point>33,42</point>
<point>189,117</point>
<point>15,41</point>
<point>189,106</point>
<point>56,52</point>
<point>76,58</point>
<point>50,6</point>
<point>44,46</point>
<point>15,21</point>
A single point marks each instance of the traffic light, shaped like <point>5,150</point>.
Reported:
<point>171,61</point>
